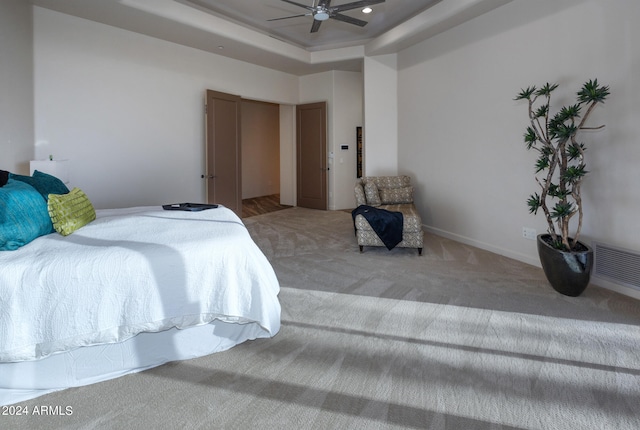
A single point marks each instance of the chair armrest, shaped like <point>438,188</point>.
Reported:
<point>360,197</point>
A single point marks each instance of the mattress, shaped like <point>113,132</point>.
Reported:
<point>133,271</point>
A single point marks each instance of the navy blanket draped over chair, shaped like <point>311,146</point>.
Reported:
<point>386,224</point>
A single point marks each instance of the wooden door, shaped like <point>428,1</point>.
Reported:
<point>311,153</point>
<point>224,174</point>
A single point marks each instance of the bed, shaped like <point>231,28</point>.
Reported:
<point>130,290</point>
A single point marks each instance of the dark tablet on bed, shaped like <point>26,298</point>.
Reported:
<point>188,207</point>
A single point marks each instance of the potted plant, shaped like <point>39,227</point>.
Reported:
<point>559,172</point>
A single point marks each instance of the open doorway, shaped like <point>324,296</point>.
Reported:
<point>272,160</point>
<point>261,158</point>
<point>260,131</point>
<point>265,154</point>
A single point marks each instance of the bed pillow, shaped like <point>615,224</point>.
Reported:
<point>4,177</point>
<point>43,182</point>
<point>390,196</point>
<point>371,193</point>
<point>23,215</point>
<point>70,211</point>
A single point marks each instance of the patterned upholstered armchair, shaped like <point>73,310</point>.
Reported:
<point>393,193</point>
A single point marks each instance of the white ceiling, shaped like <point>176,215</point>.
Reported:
<point>332,33</point>
<point>239,28</point>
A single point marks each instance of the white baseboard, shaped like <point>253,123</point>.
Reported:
<point>482,245</point>
<point>627,291</point>
<point>622,289</point>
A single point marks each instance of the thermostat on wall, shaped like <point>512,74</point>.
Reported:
<point>344,147</point>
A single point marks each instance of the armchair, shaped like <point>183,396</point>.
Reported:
<point>393,193</point>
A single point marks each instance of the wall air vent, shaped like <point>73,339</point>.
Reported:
<point>617,265</point>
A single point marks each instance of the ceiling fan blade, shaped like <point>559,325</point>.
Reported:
<point>315,26</point>
<point>356,5</point>
<point>350,20</point>
<point>324,7</point>
<point>287,17</point>
<point>298,4</point>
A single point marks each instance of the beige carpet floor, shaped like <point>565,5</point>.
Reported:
<point>457,338</point>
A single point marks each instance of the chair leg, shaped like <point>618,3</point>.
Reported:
<point>361,248</point>
<point>419,251</point>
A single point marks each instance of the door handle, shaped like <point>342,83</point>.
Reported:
<point>207,176</point>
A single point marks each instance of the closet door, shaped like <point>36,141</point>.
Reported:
<point>223,158</point>
<point>311,151</point>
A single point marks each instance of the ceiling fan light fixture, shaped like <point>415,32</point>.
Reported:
<point>321,16</point>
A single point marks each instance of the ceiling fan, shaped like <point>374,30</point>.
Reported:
<point>321,10</point>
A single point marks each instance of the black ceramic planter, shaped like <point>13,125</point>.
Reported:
<point>567,272</point>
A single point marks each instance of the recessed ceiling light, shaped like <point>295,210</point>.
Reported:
<point>367,10</point>
<point>221,47</point>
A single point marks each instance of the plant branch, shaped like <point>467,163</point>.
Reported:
<point>555,138</point>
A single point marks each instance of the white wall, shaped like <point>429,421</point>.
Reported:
<point>16,81</point>
<point>343,93</point>
<point>460,131</point>
<point>127,109</point>
<point>288,155</point>
<point>347,115</point>
<point>260,149</point>
<point>380,133</point>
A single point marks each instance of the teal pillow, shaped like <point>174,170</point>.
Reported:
<point>23,215</point>
<point>43,182</point>
<point>70,211</point>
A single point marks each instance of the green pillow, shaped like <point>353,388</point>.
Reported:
<point>71,211</point>
<point>23,215</point>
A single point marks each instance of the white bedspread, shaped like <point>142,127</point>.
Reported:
<point>129,271</point>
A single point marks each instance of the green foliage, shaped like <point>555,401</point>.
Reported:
<point>568,113</point>
<point>547,150</point>
<point>534,203</point>
<point>561,157</point>
<point>557,192</point>
<point>526,94</point>
<point>575,151</point>
<point>530,137</point>
<point>546,90</point>
<point>573,174</point>
<point>591,92</point>
<point>562,209</point>
<point>557,244</point>
<point>542,111</point>
<point>542,163</point>
<point>561,131</point>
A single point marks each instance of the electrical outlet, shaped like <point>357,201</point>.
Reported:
<point>529,233</point>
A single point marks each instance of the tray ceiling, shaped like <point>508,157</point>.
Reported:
<point>332,33</point>
<point>240,28</point>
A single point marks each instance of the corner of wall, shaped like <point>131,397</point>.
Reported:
<point>380,133</point>
<point>16,79</point>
